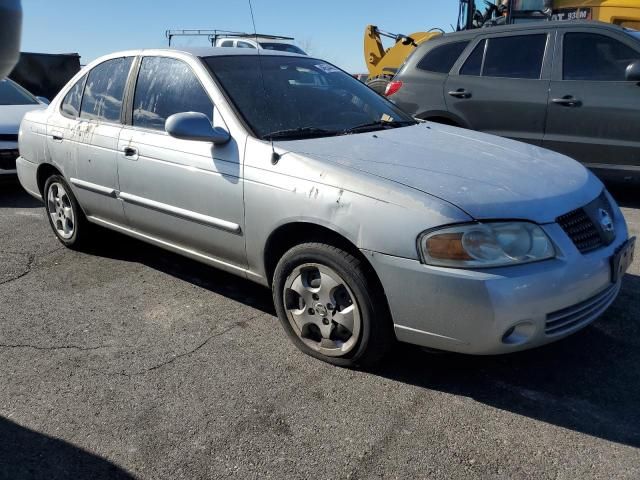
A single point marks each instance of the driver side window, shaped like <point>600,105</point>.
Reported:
<point>594,57</point>
<point>166,86</point>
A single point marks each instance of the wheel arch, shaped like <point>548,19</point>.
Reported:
<point>45,170</point>
<point>294,233</point>
<point>443,117</point>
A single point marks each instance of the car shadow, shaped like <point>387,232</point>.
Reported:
<point>589,382</point>
<point>109,244</point>
<point>29,455</point>
<point>12,195</point>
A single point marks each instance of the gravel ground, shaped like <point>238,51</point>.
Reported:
<point>130,362</point>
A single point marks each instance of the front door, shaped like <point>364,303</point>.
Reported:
<point>187,193</point>
<point>593,110</point>
<point>502,88</point>
<point>99,128</point>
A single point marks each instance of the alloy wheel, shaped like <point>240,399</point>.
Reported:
<point>322,309</point>
<point>61,211</point>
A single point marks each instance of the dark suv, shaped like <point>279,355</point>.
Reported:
<point>572,87</point>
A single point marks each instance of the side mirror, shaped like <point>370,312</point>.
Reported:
<point>195,126</point>
<point>633,72</point>
<point>43,100</point>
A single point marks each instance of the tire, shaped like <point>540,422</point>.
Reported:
<point>66,218</point>
<point>379,85</point>
<point>353,328</point>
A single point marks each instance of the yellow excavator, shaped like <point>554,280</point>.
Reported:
<point>383,63</point>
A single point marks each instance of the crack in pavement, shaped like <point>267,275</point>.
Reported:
<point>31,258</point>
<point>185,354</point>
<point>362,466</point>
<point>54,348</point>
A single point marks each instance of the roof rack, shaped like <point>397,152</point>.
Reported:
<point>213,35</point>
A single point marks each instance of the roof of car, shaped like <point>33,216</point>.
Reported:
<point>227,52</point>
<point>533,26</point>
<point>201,52</point>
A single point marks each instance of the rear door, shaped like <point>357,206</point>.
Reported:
<point>62,130</point>
<point>96,180</point>
<point>593,110</point>
<point>502,87</point>
<point>188,193</point>
<point>424,79</point>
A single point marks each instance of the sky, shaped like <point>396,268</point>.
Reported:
<point>330,29</point>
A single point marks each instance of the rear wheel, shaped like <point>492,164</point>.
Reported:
<point>65,216</point>
<point>329,306</point>
<point>379,84</point>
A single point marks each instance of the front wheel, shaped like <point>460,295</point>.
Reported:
<point>330,307</point>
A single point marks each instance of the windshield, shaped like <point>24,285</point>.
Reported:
<point>304,97</point>
<point>13,94</point>
<point>282,47</point>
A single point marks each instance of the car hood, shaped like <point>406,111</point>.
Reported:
<point>486,176</point>
<point>11,116</point>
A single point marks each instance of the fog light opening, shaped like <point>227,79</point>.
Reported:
<point>518,334</point>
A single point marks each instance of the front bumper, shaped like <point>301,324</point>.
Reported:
<point>8,157</point>
<point>473,311</point>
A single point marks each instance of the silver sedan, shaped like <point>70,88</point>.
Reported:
<point>368,226</point>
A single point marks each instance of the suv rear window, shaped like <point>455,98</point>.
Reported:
<point>589,56</point>
<point>508,57</point>
<point>515,57</point>
<point>473,65</point>
<point>441,59</point>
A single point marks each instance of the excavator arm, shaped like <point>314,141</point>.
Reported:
<point>384,63</point>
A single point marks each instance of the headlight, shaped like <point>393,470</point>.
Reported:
<point>483,245</point>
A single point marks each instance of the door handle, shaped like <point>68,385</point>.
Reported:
<point>57,137</point>
<point>460,93</point>
<point>131,153</point>
<point>568,101</point>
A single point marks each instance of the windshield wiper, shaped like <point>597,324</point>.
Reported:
<point>301,132</point>
<point>365,127</point>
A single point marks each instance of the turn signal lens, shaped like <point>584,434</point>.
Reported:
<point>393,87</point>
<point>447,246</point>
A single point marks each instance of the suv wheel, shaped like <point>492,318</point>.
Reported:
<point>379,84</point>
<point>329,307</point>
<point>65,216</point>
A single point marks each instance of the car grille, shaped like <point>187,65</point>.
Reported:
<point>584,228</point>
<point>8,137</point>
<point>581,314</point>
<point>8,159</point>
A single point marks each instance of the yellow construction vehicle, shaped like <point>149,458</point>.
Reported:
<point>383,63</point>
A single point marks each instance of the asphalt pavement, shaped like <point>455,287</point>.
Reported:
<point>130,362</point>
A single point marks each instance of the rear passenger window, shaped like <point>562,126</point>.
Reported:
<point>441,59</point>
<point>227,43</point>
<point>588,56</point>
<point>166,86</point>
<point>473,65</point>
<point>515,57</point>
<point>71,102</point>
<point>104,90</point>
